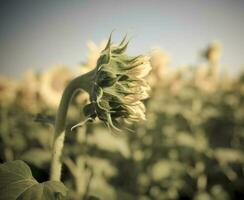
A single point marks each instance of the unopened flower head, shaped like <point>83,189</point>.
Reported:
<point>213,52</point>
<point>118,86</point>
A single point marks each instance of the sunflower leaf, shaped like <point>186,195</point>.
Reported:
<point>17,183</point>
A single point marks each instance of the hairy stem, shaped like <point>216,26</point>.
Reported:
<point>81,82</point>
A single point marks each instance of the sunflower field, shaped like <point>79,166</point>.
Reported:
<point>190,146</point>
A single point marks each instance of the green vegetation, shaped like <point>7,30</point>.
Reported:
<point>189,147</point>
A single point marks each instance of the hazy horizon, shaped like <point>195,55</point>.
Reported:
<point>41,33</point>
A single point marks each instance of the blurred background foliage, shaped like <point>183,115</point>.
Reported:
<point>190,147</point>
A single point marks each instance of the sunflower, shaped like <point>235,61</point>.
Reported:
<point>7,90</point>
<point>118,86</point>
<point>89,64</point>
<point>53,83</point>
<point>28,92</point>
<point>92,56</point>
<point>213,52</point>
<point>160,61</point>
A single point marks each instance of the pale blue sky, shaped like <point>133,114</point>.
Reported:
<point>36,34</point>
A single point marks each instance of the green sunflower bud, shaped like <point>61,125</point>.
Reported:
<point>118,86</point>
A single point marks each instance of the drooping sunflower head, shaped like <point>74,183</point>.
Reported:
<point>118,86</point>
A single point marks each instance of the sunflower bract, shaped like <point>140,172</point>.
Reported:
<point>118,86</point>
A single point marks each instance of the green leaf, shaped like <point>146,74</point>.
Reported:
<point>15,177</point>
<point>17,183</point>
<point>50,190</point>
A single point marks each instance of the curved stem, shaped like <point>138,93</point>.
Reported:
<point>81,82</point>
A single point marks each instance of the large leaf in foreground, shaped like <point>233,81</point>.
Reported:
<point>17,183</point>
